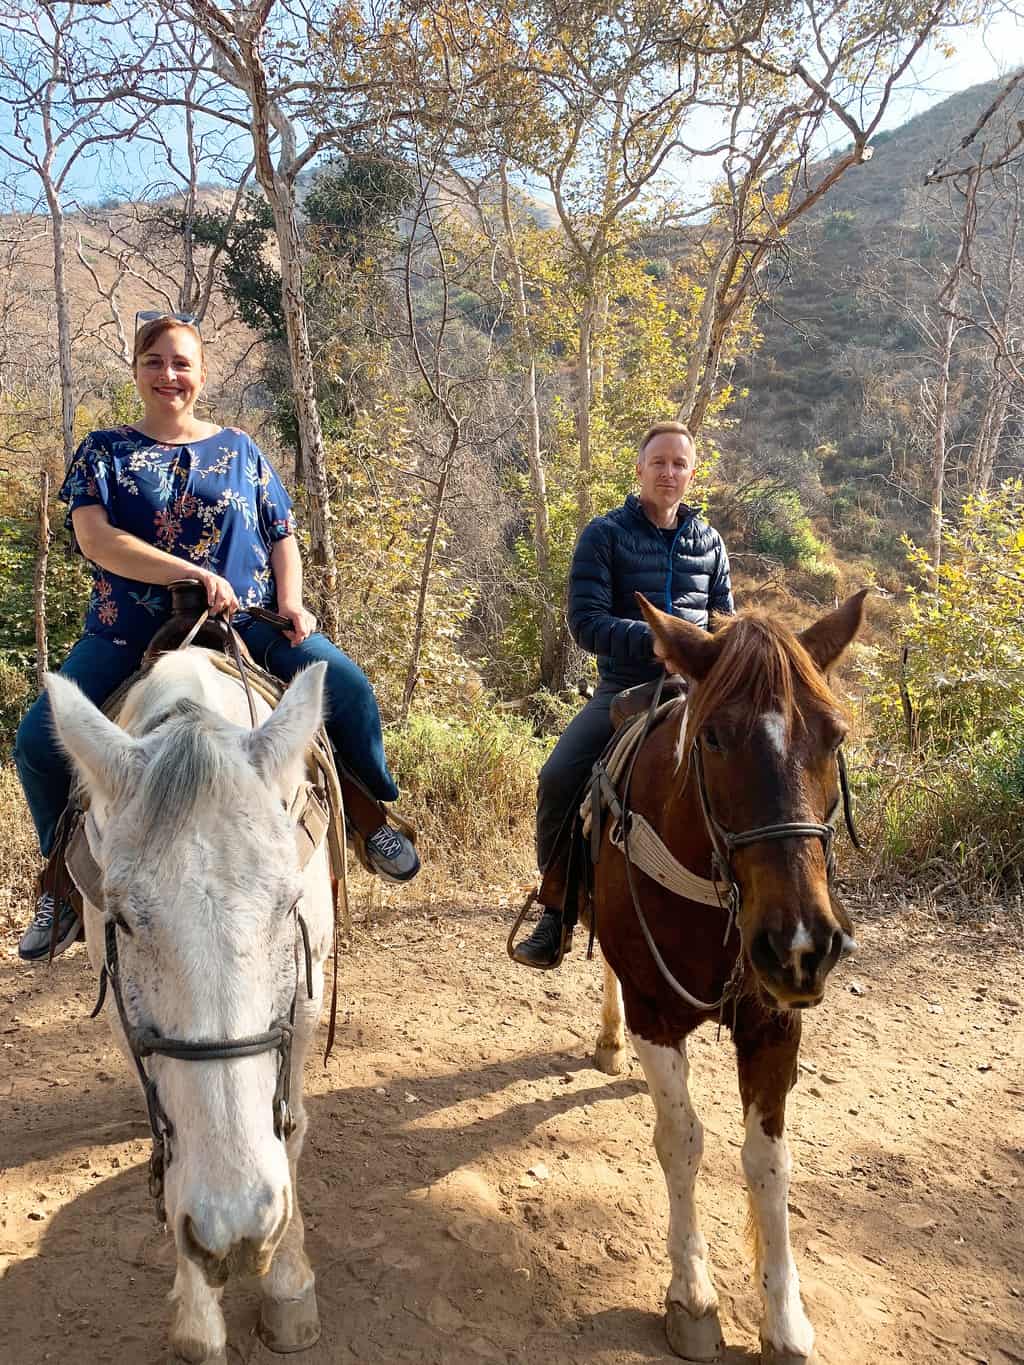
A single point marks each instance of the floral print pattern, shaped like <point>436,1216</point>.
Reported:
<point>215,503</point>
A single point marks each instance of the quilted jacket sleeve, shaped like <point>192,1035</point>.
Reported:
<point>592,620</point>
<point>720,592</point>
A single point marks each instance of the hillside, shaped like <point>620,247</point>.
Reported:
<point>844,358</point>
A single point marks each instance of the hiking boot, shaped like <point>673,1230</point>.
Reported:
<point>35,942</point>
<point>393,856</point>
<point>544,948</point>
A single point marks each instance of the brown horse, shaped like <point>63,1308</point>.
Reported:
<point>743,786</point>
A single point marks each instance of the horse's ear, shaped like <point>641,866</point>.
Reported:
<point>682,647</point>
<point>827,639</point>
<point>103,755</point>
<point>287,733</point>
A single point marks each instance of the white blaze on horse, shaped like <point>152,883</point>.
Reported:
<point>746,786</point>
<point>215,941</point>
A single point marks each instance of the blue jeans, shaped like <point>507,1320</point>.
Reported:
<point>353,718</point>
<point>100,667</point>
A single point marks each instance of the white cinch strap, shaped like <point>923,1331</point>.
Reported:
<point>646,848</point>
<point>648,852</point>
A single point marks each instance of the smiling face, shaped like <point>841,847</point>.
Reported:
<point>170,373</point>
<point>665,470</point>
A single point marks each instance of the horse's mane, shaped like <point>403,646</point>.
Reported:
<point>192,763</point>
<point>761,666</point>
<point>197,755</point>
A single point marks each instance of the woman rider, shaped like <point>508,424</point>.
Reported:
<point>178,497</point>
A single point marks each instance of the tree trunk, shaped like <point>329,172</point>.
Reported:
<point>549,644</point>
<point>584,394</point>
<point>60,295</point>
<point>990,431</point>
<point>412,674</point>
<point>939,444</point>
<point>281,198</point>
<point>702,371</point>
<point>39,588</point>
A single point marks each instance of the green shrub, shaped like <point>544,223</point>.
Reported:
<point>948,797</point>
<point>470,786</point>
<point>786,533</point>
<point>954,820</point>
<point>840,226</point>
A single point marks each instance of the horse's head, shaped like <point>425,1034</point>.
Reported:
<point>763,732</point>
<point>201,882</point>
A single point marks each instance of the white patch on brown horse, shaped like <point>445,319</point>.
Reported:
<point>679,1143</point>
<point>766,1164</point>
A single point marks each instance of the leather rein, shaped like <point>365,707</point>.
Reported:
<point>146,1042</point>
<point>724,842</point>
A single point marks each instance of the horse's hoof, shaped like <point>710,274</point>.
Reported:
<point>195,1357</point>
<point>695,1340</point>
<point>772,1355</point>
<point>610,1060</point>
<point>290,1325</point>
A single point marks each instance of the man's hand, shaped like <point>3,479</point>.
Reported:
<point>220,595</point>
<point>303,623</point>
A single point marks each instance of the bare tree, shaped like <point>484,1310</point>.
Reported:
<point>269,64</point>
<point>64,72</point>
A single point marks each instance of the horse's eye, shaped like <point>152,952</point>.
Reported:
<point>711,739</point>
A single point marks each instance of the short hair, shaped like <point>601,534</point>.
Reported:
<point>665,429</point>
<point>147,334</point>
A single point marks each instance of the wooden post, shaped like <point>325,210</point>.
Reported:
<point>42,552</point>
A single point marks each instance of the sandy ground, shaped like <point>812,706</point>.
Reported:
<point>456,1074</point>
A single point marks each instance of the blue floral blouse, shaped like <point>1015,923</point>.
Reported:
<point>217,503</point>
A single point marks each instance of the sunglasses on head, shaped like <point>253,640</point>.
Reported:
<point>147,315</point>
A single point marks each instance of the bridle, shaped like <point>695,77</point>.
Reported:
<point>148,1042</point>
<point>724,842</point>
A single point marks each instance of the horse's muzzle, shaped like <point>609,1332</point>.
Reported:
<point>794,973</point>
<point>248,1255</point>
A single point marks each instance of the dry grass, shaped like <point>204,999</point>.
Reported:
<point>470,787</point>
<point>19,853</point>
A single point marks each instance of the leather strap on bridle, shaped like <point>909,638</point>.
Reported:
<point>147,1042</point>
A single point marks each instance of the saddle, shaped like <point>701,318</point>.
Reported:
<point>566,881</point>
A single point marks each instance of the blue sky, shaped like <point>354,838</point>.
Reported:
<point>981,55</point>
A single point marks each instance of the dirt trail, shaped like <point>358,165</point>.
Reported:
<point>455,1074</point>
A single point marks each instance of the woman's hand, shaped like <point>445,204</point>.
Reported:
<point>303,623</point>
<point>220,595</point>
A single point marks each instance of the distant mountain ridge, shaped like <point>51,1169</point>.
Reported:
<point>841,367</point>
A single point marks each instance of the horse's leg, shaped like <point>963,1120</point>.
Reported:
<point>766,1059</point>
<point>610,1053</point>
<point>289,1320</point>
<point>198,1335</point>
<point>691,1321</point>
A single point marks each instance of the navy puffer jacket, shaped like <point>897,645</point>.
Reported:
<point>622,553</point>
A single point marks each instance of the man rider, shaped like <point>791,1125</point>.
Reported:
<point>654,544</point>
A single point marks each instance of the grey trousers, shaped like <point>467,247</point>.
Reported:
<point>569,765</point>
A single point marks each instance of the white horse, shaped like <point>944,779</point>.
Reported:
<point>202,901</point>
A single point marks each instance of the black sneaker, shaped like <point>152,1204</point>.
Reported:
<point>394,857</point>
<point>544,948</point>
<point>35,942</point>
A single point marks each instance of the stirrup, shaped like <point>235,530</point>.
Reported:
<point>563,947</point>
